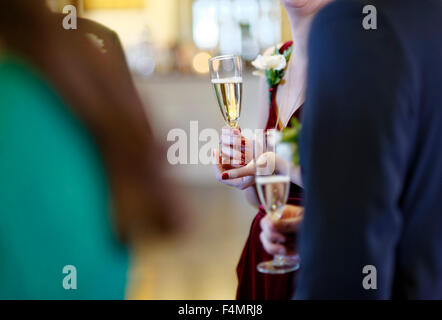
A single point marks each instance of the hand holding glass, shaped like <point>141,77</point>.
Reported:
<point>273,163</point>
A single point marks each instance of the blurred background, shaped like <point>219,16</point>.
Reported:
<point>167,45</point>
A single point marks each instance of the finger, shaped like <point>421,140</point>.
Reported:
<point>271,248</point>
<point>229,159</point>
<point>290,225</point>
<point>231,163</point>
<point>237,156</point>
<point>233,153</point>
<point>270,232</point>
<point>274,237</point>
<point>248,151</point>
<point>291,211</point>
<point>238,183</point>
<point>248,170</point>
<point>267,224</point>
<point>218,166</point>
<point>216,159</point>
<point>223,178</point>
<point>241,147</point>
<point>265,164</point>
<point>236,141</point>
<point>230,131</point>
<point>261,162</point>
<point>291,219</point>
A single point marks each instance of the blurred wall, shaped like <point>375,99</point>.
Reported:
<point>168,21</point>
<point>157,20</point>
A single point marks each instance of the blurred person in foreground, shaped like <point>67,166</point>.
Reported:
<point>371,154</point>
<point>80,176</point>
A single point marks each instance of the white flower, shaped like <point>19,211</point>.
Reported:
<point>271,51</point>
<point>267,62</point>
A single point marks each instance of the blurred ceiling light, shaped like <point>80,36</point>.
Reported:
<point>205,24</point>
<point>230,31</point>
<point>200,62</point>
<point>269,25</point>
<point>246,11</point>
<point>141,59</point>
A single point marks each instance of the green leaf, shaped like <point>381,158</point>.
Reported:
<point>287,53</point>
<point>291,135</point>
<point>268,77</point>
<point>288,135</point>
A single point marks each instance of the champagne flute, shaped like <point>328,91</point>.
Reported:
<point>226,77</point>
<point>273,162</point>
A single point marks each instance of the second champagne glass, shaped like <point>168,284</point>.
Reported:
<point>273,162</point>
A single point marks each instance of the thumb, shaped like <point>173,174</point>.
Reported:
<point>248,170</point>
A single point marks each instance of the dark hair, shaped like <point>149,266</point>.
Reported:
<point>108,105</point>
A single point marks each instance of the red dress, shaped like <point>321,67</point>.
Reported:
<point>253,285</point>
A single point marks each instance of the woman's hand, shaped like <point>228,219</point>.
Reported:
<point>236,150</point>
<point>240,178</point>
<point>235,166</point>
<point>278,237</point>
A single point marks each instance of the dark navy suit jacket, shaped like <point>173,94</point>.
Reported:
<point>371,153</point>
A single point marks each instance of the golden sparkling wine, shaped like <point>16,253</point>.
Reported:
<point>273,192</point>
<point>228,93</point>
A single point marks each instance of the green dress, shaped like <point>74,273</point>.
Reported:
<point>55,206</point>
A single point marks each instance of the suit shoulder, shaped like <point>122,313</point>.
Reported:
<point>85,25</point>
<point>91,26</point>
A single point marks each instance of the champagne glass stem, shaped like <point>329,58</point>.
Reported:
<point>278,259</point>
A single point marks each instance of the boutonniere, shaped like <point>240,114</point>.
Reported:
<point>97,42</point>
<point>272,64</point>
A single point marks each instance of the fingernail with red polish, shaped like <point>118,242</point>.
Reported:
<point>225,176</point>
